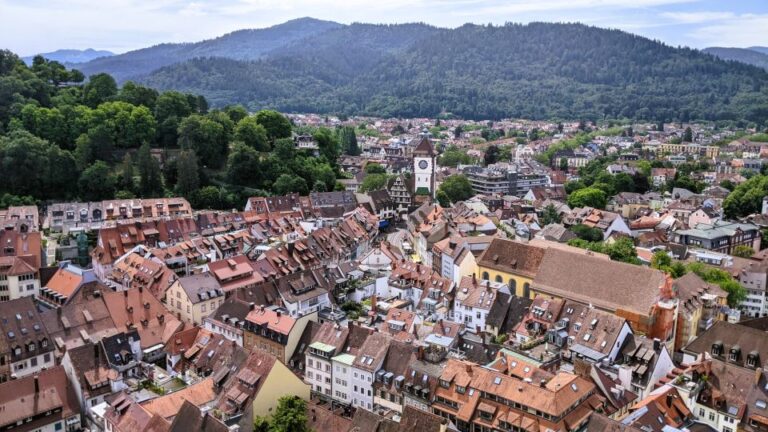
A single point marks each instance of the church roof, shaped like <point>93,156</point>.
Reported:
<point>424,148</point>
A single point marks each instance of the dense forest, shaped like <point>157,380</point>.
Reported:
<point>65,138</point>
<point>239,45</point>
<point>536,71</point>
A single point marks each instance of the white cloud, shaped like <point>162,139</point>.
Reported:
<point>697,17</point>
<point>739,31</point>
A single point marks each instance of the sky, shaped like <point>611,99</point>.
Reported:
<point>34,26</point>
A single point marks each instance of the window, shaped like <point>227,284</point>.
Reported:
<point>711,416</point>
<point>499,279</point>
<point>33,362</point>
<point>485,275</point>
<point>202,308</point>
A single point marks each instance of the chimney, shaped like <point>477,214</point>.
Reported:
<point>141,289</point>
<point>37,385</point>
<point>278,313</point>
<point>251,306</point>
<point>543,383</point>
<point>468,367</point>
<point>670,398</point>
<point>758,374</point>
<point>420,353</point>
<point>125,293</point>
<point>656,344</point>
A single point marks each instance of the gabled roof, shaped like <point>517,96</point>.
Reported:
<point>191,418</point>
<point>512,257</point>
<point>607,284</point>
<point>424,148</point>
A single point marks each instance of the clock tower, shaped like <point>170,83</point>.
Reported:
<point>424,167</point>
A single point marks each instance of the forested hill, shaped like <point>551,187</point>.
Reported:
<point>538,71</point>
<point>744,55</point>
<point>240,45</point>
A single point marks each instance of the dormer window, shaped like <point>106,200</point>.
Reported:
<point>734,354</point>
<point>752,359</point>
<point>717,348</point>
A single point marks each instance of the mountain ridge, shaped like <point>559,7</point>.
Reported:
<point>536,70</point>
<point>752,56</point>
<point>71,56</point>
<point>246,44</point>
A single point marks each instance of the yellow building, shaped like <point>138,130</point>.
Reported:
<point>699,308</point>
<point>192,298</point>
<point>278,381</point>
<point>512,263</point>
<point>709,152</point>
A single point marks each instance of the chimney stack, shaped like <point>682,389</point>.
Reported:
<point>37,385</point>
<point>420,354</point>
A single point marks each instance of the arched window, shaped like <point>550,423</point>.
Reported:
<point>499,279</point>
<point>485,276</point>
<point>526,290</point>
<point>512,286</point>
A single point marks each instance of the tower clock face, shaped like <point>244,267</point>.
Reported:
<point>423,164</point>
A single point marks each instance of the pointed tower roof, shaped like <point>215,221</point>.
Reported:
<point>424,148</point>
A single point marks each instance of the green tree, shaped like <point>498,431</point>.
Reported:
<point>236,112</point>
<point>276,125</point>
<point>491,155</point>
<point>100,88</point>
<point>211,197</point>
<point>328,144</point>
<point>170,108</point>
<point>588,197</point>
<point>249,131</point>
<point>743,251</point>
<point>243,167</point>
<point>374,168</point>
<point>32,166</point>
<point>563,164</point>
<point>587,233</point>
<point>290,415</point>
<point>736,293</point>
<point>188,174</point>
<point>151,183</point>
<point>97,182</point>
<point>453,156</point>
<point>457,188</point>
<point>136,94</point>
<point>623,249</point>
<point>677,270</point>
<point>372,182</point>
<point>688,135</point>
<point>348,141</point>
<point>287,183</point>
<point>125,173</point>
<point>206,137</point>
<point>661,260</point>
<point>96,144</point>
<point>550,216</point>
<point>746,198</point>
